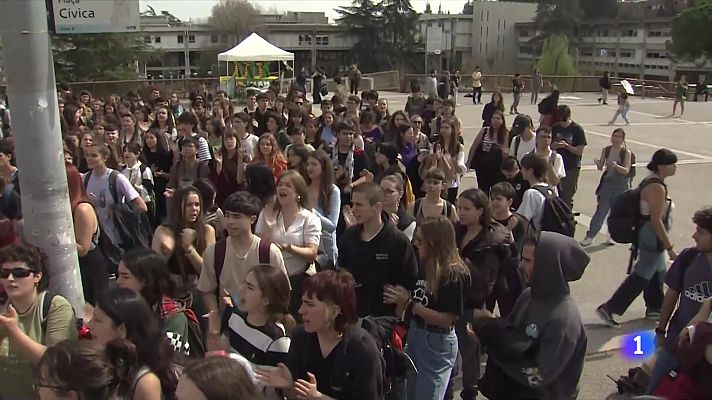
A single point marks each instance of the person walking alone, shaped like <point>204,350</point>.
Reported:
<point>605,84</point>
<point>517,87</point>
<point>537,84</point>
<point>615,162</point>
<point>477,86</point>
<point>623,108</point>
<point>680,95</point>
<point>653,242</point>
<point>354,75</point>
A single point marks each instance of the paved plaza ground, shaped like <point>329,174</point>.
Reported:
<point>651,128</point>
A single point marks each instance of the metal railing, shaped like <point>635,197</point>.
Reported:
<point>503,83</point>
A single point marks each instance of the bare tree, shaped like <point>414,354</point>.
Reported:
<point>237,18</point>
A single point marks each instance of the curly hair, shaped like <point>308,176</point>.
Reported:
<point>703,218</point>
<point>31,255</point>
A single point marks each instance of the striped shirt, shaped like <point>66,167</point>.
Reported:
<point>203,147</point>
<point>265,345</point>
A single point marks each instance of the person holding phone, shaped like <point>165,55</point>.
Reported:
<point>488,150</point>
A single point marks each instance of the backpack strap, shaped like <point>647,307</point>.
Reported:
<point>263,251</point>
<point>416,207</point>
<point>607,152</point>
<point>448,208</point>
<point>45,303</point>
<point>219,258</point>
<point>87,176</point>
<point>546,191</point>
<point>517,142</point>
<point>113,176</point>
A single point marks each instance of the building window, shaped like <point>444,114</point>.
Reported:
<point>322,40</point>
<point>191,38</point>
<point>305,40</point>
<point>586,52</point>
<point>655,54</point>
<point>180,39</point>
<point>523,33</point>
<point>655,34</point>
<point>603,33</point>
<point>147,39</point>
<point>629,33</point>
<point>213,38</point>
<point>157,39</point>
<point>626,54</point>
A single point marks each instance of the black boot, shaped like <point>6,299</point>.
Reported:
<point>653,294</point>
<point>631,287</point>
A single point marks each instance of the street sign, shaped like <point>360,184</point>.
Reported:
<point>434,39</point>
<point>95,16</point>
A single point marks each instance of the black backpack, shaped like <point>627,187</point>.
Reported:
<point>624,219</point>
<point>556,214</point>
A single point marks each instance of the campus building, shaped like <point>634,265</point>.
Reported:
<point>633,48</point>
<point>190,48</point>
<point>487,37</point>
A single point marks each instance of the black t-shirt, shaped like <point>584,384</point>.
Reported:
<point>573,135</point>
<point>352,370</point>
<point>520,186</point>
<point>518,232</point>
<point>450,298</point>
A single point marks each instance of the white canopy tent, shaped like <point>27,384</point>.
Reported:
<point>256,49</point>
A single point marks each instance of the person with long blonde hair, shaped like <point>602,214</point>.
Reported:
<point>433,307</point>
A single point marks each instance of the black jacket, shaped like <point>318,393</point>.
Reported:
<point>388,258</point>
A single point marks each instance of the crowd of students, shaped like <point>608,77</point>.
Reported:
<point>276,234</point>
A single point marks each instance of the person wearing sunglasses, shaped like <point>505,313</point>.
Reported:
<point>25,330</point>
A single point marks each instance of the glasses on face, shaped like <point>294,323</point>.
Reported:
<point>16,273</point>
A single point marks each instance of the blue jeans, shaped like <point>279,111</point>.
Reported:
<point>665,363</point>
<point>434,356</point>
<point>623,112</point>
<point>608,192</point>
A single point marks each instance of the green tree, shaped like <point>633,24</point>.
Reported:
<point>690,32</point>
<point>468,8</point>
<point>400,22</point>
<point>599,9</point>
<point>364,20</point>
<point>555,58</point>
<point>237,18</point>
<point>558,17</point>
<point>100,56</point>
<point>428,10</point>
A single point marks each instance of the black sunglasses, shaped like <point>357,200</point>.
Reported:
<point>16,272</point>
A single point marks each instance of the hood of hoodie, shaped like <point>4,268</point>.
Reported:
<point>558,259</point>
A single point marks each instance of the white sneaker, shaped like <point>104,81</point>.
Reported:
<point>587,241</point>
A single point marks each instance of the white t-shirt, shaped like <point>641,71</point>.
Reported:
<point>532,205</point>
<point>524,147</point>
<point>558,163</point>
<point>101,198</point>
<point>305,230</point>
<point>249,144</point>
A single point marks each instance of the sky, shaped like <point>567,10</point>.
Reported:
<point>187,9</point>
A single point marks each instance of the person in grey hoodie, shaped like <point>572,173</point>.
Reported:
<point>538,351</point>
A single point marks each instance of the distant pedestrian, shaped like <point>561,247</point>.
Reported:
<point>477,86</point>
<point>302,80</point>
<point>517,87</point>
<point>455,86</point>
<point>537,84</point>
<point>445,86</point>
<point>354,75</point>
<point>431,84</point>
<point>623,108</point>
<point>680,95</point>
<point>317,83</point>
<point>605,84</point>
